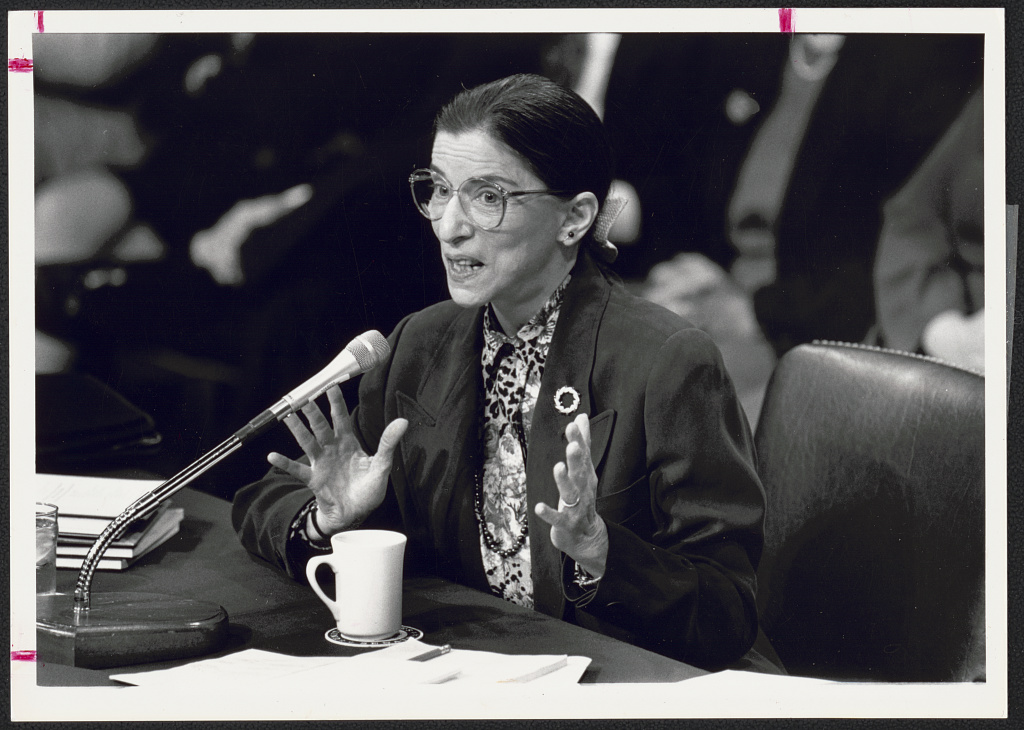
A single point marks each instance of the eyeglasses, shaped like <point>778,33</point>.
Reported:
<point>482,200</point>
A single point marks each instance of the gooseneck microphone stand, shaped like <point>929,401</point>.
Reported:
<point>119,629</point>
<point>143,505</point>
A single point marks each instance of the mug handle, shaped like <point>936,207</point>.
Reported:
<point>314,563</point>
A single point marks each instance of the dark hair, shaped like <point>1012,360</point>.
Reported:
<point>552,128</point>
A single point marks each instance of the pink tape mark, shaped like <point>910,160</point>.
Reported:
<point>785,20</point>
<point>19,65</point>
<point>23,656</point>
<point>39,21</point>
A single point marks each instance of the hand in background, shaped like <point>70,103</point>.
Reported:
<point>958,338</point>
<point>219,249</point>
<point>348,483</point>
<point>576,528</point>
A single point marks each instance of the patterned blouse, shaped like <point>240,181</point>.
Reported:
<point>512,370</point>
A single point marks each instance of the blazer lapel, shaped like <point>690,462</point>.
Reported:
<point>569,363</point>
<point>450,392</point>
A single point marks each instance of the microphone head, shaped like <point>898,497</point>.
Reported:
<point>369,349</point>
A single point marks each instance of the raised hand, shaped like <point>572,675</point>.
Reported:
<point>576,528</point>
<point>348,483</point>
<point>219,249</point>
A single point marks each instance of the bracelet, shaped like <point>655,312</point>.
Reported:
<point>583,579</point>
<point>322,536</point>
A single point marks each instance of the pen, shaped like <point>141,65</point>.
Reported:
<point>435,652</point>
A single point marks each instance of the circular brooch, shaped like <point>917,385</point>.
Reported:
<point>573,398</point>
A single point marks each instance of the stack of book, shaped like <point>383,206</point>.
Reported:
<point>86,505</point>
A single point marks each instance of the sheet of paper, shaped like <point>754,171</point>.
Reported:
<point>750,680</point>
<point>571,673</point>
<point>388,667</point>
<point>477,666</point>
<point>244,667</point>
<point>90,496</point>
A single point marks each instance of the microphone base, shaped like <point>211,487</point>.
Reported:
<point>120,629</point>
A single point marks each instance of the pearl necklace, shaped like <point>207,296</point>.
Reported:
<point>490,540</point>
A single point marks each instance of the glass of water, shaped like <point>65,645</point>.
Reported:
<point>46,548</point>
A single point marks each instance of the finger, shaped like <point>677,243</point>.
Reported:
<point>572,432</point>
<point>297,469</point>
<point>339,411</point>
<point>582,422</point>
<point>302,435</point>
<point>552,516</point>
<point>567,491</point>
<point>578,460</point>
<point>317,422</point>
<point>388,442</point>
<point>578,430</point>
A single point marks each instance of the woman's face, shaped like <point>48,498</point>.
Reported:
<point>516,266</point>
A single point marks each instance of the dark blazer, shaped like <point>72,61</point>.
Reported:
<point>677,484</point>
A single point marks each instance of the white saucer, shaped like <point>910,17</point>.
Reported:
<point>406,632</point>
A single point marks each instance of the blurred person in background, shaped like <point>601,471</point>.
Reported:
<point>681,110</point>
<point>929,272</point>
<point>117,296</point>
<point>853,118</point>
<point>83,139</point>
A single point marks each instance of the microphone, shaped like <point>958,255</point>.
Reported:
<point>365,352</point>
<point>119,629</point>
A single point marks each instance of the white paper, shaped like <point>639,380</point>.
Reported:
<point>571,673</point>
<point>392,666</point>
<point>476,666</point>
<point>90,496</point>
<point>742,681</point>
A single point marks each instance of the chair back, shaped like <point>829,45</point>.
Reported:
<point>873,465</point>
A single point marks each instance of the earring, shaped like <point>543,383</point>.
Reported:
<point>572,234</point>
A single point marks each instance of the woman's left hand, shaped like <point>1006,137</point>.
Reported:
<point>576,528</point>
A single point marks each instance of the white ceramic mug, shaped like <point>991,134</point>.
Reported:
<point>367,567</point>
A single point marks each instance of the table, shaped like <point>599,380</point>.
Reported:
<point>267,610</point>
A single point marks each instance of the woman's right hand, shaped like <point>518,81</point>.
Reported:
<point>347,483</point>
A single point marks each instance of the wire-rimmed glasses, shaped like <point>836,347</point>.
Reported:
<point>483,201</point>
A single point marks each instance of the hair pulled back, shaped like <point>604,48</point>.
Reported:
<point>552,128</point>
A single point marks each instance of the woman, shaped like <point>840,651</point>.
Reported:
<point>544,435</point>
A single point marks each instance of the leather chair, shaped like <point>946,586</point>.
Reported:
<point>873,465</point>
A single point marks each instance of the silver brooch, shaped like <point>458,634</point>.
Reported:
<point>574,397</point>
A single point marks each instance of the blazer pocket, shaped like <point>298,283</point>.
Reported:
<point>625,506</point>
<point>600,435</point>
<point>413,412</point>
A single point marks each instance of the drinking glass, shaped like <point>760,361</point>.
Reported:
<point>46,548</point>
